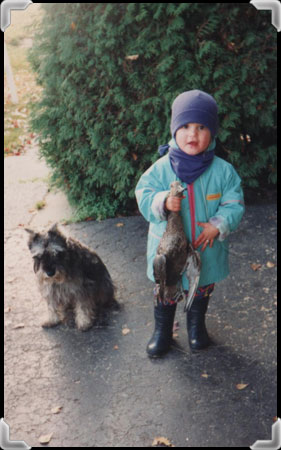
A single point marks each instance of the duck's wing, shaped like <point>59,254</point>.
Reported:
<point>192,269</point>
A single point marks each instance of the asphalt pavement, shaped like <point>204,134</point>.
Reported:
<point>99,388</point>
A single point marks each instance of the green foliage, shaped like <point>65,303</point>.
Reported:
<point>110,72</point>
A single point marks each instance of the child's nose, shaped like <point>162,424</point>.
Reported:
<point>193,132</point>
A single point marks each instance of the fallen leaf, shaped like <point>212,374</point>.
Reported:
<point>125,331</point>
<point>255,266</point>
<point>19,325</point>
<point>132,57</point>
<point>204,375</point>
<point>241,386</point>
<point>162,441</point>
<point>10,280</point>
<point>120,224</point>
<point>56,409</point>
<point>270,264</point>
<point>6,310</point>
<point>135,157</point>
<point>115,347</point>
<point>265,309</point>
<point>266,290</point>
<point>45,438</point>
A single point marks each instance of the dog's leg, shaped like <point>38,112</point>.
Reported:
<point>53,318</point>
<point>83,317</point>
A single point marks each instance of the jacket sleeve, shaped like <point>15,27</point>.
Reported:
<point>232,207</point>
<point>151,193</point>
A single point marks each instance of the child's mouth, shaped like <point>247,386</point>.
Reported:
<point>192,143</point>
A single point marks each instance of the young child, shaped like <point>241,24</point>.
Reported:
<point>212,208</point>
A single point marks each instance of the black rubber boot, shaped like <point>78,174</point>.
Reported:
<point>161,339</point>
<point>197,332</point>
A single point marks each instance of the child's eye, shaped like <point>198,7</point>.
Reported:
<point>201,127</point>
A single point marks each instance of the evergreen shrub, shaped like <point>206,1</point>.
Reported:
<point>110,72</point>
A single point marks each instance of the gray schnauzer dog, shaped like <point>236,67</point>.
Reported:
<point>71,278</point>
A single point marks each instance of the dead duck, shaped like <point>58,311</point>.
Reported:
<point>175,255</point>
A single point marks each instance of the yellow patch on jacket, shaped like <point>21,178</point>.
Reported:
<point>213,196</point>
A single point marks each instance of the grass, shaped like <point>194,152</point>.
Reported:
<point>40,205</point>
<point>18,38</point>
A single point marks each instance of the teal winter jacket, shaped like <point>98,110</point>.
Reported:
<point>215,197</point>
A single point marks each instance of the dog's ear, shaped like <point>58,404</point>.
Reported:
<point>57,241</point>
<point>32,236</point>
<point>54,228</point>
<point>35,242</point>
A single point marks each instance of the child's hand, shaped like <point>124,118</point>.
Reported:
<point>173,203</point>
<point>207,236</point>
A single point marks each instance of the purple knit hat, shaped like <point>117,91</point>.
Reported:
<point>194,107</point>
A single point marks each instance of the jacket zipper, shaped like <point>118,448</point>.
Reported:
<point>191,200</point>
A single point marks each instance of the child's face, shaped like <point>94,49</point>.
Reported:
<point>193,138</point>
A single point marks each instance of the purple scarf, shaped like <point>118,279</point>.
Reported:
<point>188,167</point>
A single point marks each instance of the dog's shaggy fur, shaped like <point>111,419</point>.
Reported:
<point>71,277</point>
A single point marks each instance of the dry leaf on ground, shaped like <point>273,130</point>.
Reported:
<point>255,266</point>
<point>241,386</point>
<point>125,331</point>
<point>161,441</point>
<point>45,438</point>
<point>19,325</point>
<point>56,409</point>
<point>270,264</point>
